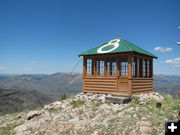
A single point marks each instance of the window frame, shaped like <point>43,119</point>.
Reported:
<point>100,67</point>
<point>89,67</point>
<point>133,64</point>
<point>123,66</point>
<point>111,66</point>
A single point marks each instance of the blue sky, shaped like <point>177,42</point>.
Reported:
<point>45,36</point>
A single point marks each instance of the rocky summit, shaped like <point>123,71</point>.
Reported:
<point>87,113</point>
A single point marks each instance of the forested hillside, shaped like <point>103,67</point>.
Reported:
<point>20,92</point>
<point>167,84</point>
<point>17,100</point>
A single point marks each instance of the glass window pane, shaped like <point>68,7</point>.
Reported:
<point>123,66</point>
<point>133,67</point>
<point>90,67</point>
<point>111,66</point>
<point>100,67</point>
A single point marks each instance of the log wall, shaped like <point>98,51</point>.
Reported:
<point>140,85</point>
<point>123,84</point>
<point>101,85</point>
<point>116,86</point>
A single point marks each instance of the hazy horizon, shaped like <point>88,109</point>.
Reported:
<point>64,72</point>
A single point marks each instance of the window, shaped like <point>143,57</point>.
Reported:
<point>123,65</point>
<point>144,68</point>
<point>90,67</point>
<point>111,66</point>
<point>100,67</point>
<point>148,74</point>
<point>133,67</point>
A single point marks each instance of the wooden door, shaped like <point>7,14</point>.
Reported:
<point>123,74</point>
<point>123,83</point>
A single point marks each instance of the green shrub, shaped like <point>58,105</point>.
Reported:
<point>134,102</point>
<point>96,105</point>
<point>63,97</point>
<point>176,105</point>
<point>168,99</point>
<point>53,110</point>
<point>77,103</point>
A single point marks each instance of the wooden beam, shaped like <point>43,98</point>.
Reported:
<point>140,67</point>
<point>117,72</point>
<point>117,66</point>
<point>151,68</point>
<point>100,86</point>
<point>94,67</point>
<point>108,92</point>
<point>142,56</point>
<point>105,66</point>
<point>84,66</point>
<point>100,77</point>
<point>130,74</point>
<point>112,55</point>
<point>101,83</point>
<point>146,68</point>
<point>101,89</point>
<point>140,78</point>
<point>110,67</point>
<point>98,68</point>
<point>122,54</point>
<point>84,70</point>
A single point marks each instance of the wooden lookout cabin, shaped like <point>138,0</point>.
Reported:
<point>117,67</point>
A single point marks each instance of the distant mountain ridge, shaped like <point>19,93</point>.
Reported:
<point>19,92</point>
<point>53,85</point>
<point>167,84</point>
<point>50,88</point>
<point>68,82</point>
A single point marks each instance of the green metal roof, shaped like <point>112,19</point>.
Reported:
<point>117,45</point>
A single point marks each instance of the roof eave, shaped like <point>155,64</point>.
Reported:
<point>153,56</point>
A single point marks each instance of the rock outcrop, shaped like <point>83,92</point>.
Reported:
<point>88,113</point>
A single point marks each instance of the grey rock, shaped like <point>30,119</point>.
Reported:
<point>20,129</point>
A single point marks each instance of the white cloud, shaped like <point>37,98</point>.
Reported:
<point>2,68</point>
<point>161,49</point>
<point>175,61</point>
<point>28,69</point>
<point>169,61</point>
<point>33,61</point>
